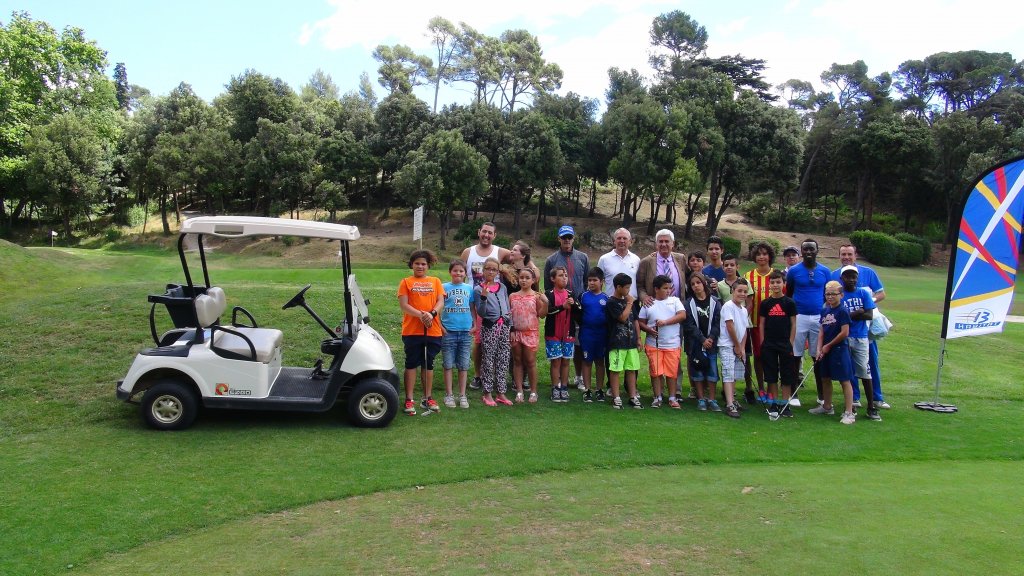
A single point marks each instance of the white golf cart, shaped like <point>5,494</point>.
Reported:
<point>202,362</point>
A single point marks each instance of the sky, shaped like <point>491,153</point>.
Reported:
<point>206,43</point>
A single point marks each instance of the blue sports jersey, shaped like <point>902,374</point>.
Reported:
<point>859,298</point>
<point>455,316</point>
<point>710,271</point>
<point>832,321</point>
<point>809,287</point>
<point>593,309</point>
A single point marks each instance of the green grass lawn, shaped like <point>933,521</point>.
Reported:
<point>533,489</point>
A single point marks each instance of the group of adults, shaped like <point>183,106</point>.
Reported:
<point>805,283</point>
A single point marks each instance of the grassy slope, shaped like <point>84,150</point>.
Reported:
<point>83,478</point>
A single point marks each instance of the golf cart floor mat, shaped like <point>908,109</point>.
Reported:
<point>295,383</point>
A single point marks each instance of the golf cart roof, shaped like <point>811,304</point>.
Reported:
<point>241,226</point>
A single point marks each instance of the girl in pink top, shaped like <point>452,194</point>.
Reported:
<point>526,307</point>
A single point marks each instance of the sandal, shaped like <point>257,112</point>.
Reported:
<point>533,397</point>
<point>489,401</point>
<point>519,397</point>
<point>503,400</point>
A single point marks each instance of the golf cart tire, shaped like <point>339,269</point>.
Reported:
<point>169,405</point>
<point>373,403</point>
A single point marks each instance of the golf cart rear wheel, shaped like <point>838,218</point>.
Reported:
<point>373,403</point>
<point>169,405</point>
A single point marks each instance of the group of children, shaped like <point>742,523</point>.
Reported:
<point>611,331</point>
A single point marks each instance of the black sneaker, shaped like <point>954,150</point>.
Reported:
<point>750,396</point>
<point>556,395</point>
<point>617,403</point>
<point>564,393</point>
<point>786,412</point>
<point>874,415</point>
<point>599,396</point>
<point>475,384</point>
<point>635,403</point>
<point>588,396</point>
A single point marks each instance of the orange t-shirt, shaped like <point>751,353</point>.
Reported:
<point>423,294</point>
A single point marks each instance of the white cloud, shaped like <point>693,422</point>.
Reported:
<point>585,60</point>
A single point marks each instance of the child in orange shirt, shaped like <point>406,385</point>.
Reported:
<point>421,299</point>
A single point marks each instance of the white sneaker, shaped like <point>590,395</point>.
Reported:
<point>795,402</point>
<point>463,402</point>
<point>821,410</point>
<point>848,418</point>
<point>882,404</point>
<point>821,402</point>
<point>656,403</point>
<point>579,384</point>
<point>449,401</point>
<point>856,404</point>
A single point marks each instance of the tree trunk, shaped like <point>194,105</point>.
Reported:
<point>653,220</point>
<point>806,176</point>
<point>516,211</point>
<point>163,212</point>
<point>713,194</point>
<point>593,197</point>
<point>444,227</point>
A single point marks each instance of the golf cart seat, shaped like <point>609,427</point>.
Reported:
<point>239,342</point>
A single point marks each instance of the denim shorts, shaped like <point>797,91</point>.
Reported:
<point>456,348</point>
<point>711,375</point>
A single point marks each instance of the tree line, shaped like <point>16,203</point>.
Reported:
<point>703,133</point>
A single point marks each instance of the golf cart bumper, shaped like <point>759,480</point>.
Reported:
<point>123,395</point>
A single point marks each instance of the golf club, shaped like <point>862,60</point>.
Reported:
<point>795,390</point>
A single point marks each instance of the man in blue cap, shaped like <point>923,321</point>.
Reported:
<point>576,264</point>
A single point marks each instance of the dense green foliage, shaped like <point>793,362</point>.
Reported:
<point>886,250</point>
<point>892,152</point>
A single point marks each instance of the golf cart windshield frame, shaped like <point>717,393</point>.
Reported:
<point>247,226</point>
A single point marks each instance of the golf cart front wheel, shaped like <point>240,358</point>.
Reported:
<point>169,405</point>
<point>372,403</point>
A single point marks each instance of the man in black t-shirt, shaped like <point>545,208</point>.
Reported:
<point>777,323</point>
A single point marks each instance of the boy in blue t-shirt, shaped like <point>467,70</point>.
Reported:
<point>593,333</point>
<point>833,352</point>
<point>457,323</point>
<point>860,304</point>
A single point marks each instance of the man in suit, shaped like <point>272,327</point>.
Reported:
<point>664,261</point>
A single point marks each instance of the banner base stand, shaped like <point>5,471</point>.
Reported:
<point>936,407</point>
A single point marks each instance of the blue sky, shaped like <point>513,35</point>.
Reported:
<point>205,43</point>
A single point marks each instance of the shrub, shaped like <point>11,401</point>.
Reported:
<point>503,241</point>
<point>731,246</point>
<point>885,250</point>
<point>136,216</point>
<point>886,223</point>
<point>288,240</point>
<point>587,237</point>
<point>548,238</point>
<point>770,241</point>
<point>468,230</point>
<point>760,207</point>
<point>926,246</point>
<point>112,234</point>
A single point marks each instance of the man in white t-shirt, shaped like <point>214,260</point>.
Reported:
<point>619,260</point>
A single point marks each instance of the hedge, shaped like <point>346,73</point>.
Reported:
<point>885,250</point>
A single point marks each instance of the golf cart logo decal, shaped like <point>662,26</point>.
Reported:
<point>977,318</point>
<point>223,389</point>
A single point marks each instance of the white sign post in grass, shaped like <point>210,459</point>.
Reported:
<point>417,225</point>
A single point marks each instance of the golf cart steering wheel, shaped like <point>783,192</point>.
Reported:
<point>298,299</point>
